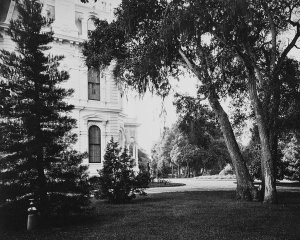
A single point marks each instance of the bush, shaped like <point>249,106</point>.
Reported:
<point>13,214</point>
<point>95,187</point>
<point>66,204</point>
<point>58,204</point>
<point>143,179</point>
<point>117,181</point>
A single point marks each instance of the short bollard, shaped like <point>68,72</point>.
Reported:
<point>32,216</point>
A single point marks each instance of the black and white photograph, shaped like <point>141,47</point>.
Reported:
<point>150,119</point>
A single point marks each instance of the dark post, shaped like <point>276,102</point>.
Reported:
<point>32,216</point>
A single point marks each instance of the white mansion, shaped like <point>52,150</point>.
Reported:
<point>97,99</point>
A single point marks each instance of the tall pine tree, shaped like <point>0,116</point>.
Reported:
<point>35,128</point>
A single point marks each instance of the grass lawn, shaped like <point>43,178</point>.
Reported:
<point>188,215</point>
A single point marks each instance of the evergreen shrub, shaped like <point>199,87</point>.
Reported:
<point>118,182</point>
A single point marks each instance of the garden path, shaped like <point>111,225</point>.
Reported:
<point>196,184</point>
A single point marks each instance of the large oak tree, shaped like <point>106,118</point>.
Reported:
<point>230,46</point>
<point>261,34</point>
<point>153,40</point>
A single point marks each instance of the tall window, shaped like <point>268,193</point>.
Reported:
<point>90,24</point>
<point>94,144</point>
<point>121,139</point>
<point>4,6</point>
<point>78,22</point>
<point>94,84</point>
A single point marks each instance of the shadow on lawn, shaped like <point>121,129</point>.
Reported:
<point>289,197</point>
<point>103,213</point>
<point>11,223</point>
<point>100,211</point>
<point>280,184</point>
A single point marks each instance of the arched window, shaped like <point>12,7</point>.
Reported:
<point>94,144</point>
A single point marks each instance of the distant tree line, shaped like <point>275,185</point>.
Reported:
<point>193,146</point>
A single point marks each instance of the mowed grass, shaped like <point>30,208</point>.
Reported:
<point>188,215</point>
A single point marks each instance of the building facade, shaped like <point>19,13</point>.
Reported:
<point>97,98</point>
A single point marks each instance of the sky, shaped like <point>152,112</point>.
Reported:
<point>153,113</point>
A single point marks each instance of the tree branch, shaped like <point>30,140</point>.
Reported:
<point>189,64</point>
<point>287,50</point>
<point>180,64</point>
<point>274,37</point>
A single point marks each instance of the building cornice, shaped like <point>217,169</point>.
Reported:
<point>72,40</point>
<point>57,37</point>
<point>102,109</point>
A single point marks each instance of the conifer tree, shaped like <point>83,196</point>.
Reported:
<point>117,179</point>
<point>35,127</point>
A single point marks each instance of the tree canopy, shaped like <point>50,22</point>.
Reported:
<point>232,47</point>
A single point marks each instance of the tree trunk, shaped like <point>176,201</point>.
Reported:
<point>274,150</point>
<point>270,195</point>
<point>262,189</point>
<point>40,162</point>
<point>42,187</point>
<point>245,187</point>
<point>187,174</point>
<point>273,125</point>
